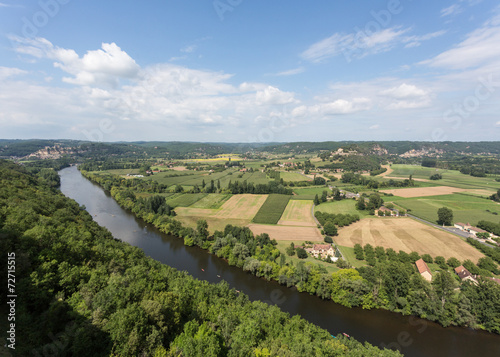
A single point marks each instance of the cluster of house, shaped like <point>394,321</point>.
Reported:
<point>131,175</point>
<point>348,194</point>
<point>322,251</point>
<point>388,212</point>
<point>470,229</point>
<point>461,271</point>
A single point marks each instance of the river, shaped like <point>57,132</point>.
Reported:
<point>412,336</point>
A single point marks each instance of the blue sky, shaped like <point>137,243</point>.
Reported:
<point>250,70</point>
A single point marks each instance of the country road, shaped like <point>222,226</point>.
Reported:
<point>452,230</point>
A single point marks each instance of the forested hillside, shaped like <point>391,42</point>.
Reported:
<point>86,294</point>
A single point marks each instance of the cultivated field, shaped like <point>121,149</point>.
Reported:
<point>450,177</point>
<point>298,213</point>
<point>466,208</point>
<point>191,178</point>
<point>272,209</point>
<point>423,191</point>
<point>293,176</point>
<point>344,207</point>
<point>288,233</point>
<point>407,235</point>
<point>243,207</point>
<point>212,201</point>
<point>184,200</point>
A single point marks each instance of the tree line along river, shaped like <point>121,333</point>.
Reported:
<point>412,336</point>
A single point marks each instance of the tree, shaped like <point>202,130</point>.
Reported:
<point>324,196</point>
<point>290,250</point>
<point>301,253</point>
<point>202,229</point>
<point>358,251</point>
<point>453,262</point>
<point>328,239</point>
<point>427,258</point>
<point>375,201</point>
<point>436,177</point>
<point>330,229</point>
<point>361,204</point>
<point>439,260</point>
<point>445,216</point>
<point>316,200</point>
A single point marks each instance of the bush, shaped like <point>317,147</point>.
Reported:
<point>301,253</point>
<point>358,251</point>
<point>439,260</point>
<point>427,258</point>
<point>328,239</point>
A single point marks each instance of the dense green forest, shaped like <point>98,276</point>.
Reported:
<point>85,293</point>
<point>390,282</point>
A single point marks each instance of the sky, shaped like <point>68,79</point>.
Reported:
<point>250,70</point>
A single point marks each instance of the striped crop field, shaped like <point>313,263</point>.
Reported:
<point>272,209</point>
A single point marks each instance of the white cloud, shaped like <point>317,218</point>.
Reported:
<point>405,91</point>
<point>354,45</point>
<point>291,72</point>
<point>374,127</point>
<point>189,49</point>
<point>332,107</point>
<point>6,72</point>
<point>451,10</point>
<point>272,95</point>
<point>361,44</point>
<point>99,67</point>
<point>415,41</point>
<point>497,124</point>
<point>479,48</point>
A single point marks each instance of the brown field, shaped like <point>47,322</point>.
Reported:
<point>298,213</point>
<point>238,207</point>
<point>423,191</point>
<point>408,235</point>
<point>288,232</point>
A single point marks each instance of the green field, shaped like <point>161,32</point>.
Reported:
<point>466,208</point>
<point>349,255</point>
<point>345,207</point>
<point>451,178</point>
<point>191,178</point>
<point>184,199</point>
<point>272,209</point>
<point>293,176</point>
<point>308,193</point>
<point>211,201</point>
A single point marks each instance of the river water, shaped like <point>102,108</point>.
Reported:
<point>412,336</point>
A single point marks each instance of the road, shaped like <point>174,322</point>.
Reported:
<point>452,230</point>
